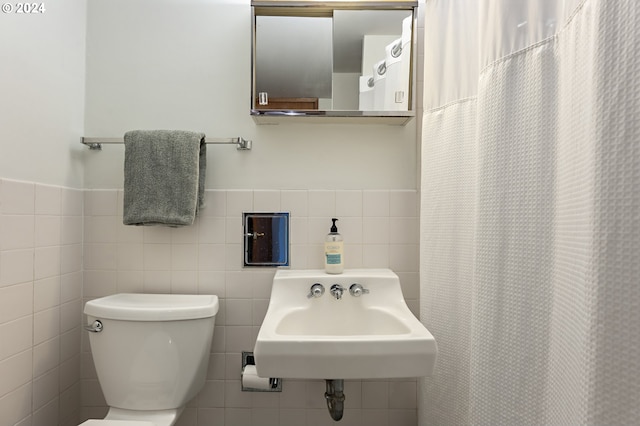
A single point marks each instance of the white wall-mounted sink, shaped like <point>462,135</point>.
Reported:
<point>371,336</point>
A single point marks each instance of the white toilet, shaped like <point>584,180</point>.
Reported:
<point>151,353</point>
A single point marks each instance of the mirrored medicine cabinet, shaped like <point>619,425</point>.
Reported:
<point>333,61</point>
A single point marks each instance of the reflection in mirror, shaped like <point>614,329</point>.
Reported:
<point>337,59</point>
<point>374,48</point>
<point>266,239</point>
<point>281,41</point>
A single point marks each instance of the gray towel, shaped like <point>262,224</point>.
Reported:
<point>164,174</point>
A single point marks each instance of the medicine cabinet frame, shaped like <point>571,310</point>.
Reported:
<point>310,8</point>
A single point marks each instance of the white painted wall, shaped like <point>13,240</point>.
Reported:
<point>186,65</point>
<point>42,81</point>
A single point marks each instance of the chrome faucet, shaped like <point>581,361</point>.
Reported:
<point>357,290</point>
<point>336,291</point>
<point>316,290</point>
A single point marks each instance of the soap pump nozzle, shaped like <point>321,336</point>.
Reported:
<point>334,228</point>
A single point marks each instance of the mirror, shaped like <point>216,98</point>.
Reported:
<point>282,52</point>
<point>336,59</point>
<point>266,239</point>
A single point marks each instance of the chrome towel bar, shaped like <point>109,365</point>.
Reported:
<point>240,143</point>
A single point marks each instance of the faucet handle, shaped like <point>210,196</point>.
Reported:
<point>356,290</point>
<point>316,290</point>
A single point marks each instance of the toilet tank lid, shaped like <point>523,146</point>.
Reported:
<point>153,307</point>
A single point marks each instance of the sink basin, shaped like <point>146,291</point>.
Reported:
<point>371,336</point>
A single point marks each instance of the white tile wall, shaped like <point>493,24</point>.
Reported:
<point>40,300</point>
<point>46,231</point>
<point>380,230</point>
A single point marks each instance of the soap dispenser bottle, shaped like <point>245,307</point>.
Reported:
<point>333,251</point>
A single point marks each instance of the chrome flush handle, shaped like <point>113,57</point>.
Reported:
<point>95,327</point>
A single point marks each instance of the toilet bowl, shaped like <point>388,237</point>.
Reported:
<point>151,353</point>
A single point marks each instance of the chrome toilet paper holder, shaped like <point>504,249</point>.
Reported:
<point>275,384</point>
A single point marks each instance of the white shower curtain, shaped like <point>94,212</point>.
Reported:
<point>530,215</point>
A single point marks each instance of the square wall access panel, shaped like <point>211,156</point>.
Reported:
<point>266,239</point>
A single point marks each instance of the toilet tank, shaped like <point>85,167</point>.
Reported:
<point>153,350</point>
